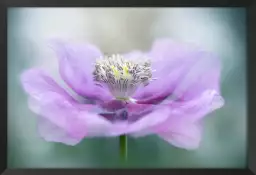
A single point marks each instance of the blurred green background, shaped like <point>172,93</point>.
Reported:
<point>221,30</point>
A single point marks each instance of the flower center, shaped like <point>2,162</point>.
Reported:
<point>121,76</point>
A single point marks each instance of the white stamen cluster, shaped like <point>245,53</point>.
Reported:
<point>122,76</point>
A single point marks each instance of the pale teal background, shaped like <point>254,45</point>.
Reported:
<point>221,30</point>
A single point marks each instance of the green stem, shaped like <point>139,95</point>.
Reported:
<point>123,147</point>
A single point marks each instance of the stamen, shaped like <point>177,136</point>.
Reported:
<point>122,76</point>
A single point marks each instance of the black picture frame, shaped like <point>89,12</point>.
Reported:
<point>251,66</point>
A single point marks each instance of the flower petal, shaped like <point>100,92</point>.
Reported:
<point>183,72</point>
<point>194,110</point>
<point>145,124</point>
<point>76,64</point>
<point>137,111</point>
<point>113,105</point>
<point>53,133</point>
<point>182,128</point>
<point>183,135</point>
<point>37,84</point>
<point>179,131</point>
<point>69,121</point>
<point>149,121</point>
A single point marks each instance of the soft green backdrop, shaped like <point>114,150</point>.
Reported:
<point>221,30</point>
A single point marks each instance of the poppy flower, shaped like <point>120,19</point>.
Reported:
<point>166,91</point>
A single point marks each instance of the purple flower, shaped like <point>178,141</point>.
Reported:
<point>166,91</point>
